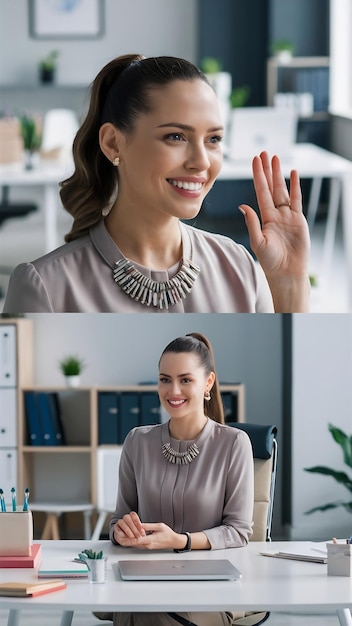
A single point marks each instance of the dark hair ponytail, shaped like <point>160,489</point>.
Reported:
<point>119,94</point>
<point>93,183</point>
<point>201,346</point>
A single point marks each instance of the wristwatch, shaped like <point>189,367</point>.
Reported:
<point>187,547</point>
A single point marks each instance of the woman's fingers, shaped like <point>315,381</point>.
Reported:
<point>270,185</point>
<point>131,525</point>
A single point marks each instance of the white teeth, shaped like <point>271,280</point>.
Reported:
<point>176,402</point>
<point>185,185</point>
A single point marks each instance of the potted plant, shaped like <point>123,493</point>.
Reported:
<point>71,367</point>
<point>240,96</point>
<point>283,49</point>
<point>47,67</point>
<point>95,562</point>
<point>220,81</point>
<point>345,442</point>
<point>31,136</point>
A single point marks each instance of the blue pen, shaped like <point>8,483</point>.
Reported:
<point>13,498</point>
<point>25,501</point>
<point>2,500</point>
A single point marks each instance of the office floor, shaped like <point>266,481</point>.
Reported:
<point>87,619</point>
<point>23,240</point>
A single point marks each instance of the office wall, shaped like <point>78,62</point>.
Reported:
<point>151,28</point>
<point>304,22</point>
<point>322,394</point>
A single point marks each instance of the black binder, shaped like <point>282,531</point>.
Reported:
<point>34,427</point>
<point>47,420</point>
<point>108,417</point>
<point>150,408</point>
<point>129,413</point>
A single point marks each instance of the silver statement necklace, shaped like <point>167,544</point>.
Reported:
<point>150,292</point>
<point>180,458</point>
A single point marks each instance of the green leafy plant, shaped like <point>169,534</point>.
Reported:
<point>281,45</point>
<point>72,365</point>
<point>49,62</point>
<point>30,133</point>
<point>345,442</point>
<point>91,554</point>
<point>210,65</point>
<point>240,96</point>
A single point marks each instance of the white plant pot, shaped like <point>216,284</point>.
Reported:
<point>73,381</point>
<point>284,56</point>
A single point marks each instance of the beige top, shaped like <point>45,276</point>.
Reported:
<point>214,493</point>
<point>77,278</point>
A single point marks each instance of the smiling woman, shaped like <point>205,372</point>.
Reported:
<point>145,158</point>
<point>186,484</point>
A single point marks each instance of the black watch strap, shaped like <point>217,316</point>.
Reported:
<point>187,547</point>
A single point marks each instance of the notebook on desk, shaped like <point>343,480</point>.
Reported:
<point>255,129</point>
<point>175,569</point>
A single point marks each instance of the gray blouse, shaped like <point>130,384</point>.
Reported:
<point>77,278</point>
<point>214,493</point>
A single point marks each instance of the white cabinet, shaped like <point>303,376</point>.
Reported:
<point>8,418</point>
<point>7,356</point>
<point>8,470</point>
<point>15,371</point>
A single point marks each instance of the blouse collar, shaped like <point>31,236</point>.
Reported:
<point>109,251</point>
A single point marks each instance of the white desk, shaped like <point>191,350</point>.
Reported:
<point>267,584</point>
<point>47,176</point>
<point>314,162</point>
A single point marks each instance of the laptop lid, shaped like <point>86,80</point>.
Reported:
<point>176,569</point>
<point>255,129</point>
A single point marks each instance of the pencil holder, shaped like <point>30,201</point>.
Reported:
<point>339,559</point>
<point>16,533</point>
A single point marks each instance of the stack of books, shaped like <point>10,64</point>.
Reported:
<point>30,589</point>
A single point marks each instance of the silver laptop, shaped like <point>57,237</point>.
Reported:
<point>254,129</point>
<point>176,569</point>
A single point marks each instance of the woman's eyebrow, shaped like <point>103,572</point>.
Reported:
<point>178,375</point>
<point>187,127</point>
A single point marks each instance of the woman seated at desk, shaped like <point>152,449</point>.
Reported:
<point>145,158</point>
<point>186,484</point>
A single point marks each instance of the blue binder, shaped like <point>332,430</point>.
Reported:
<point>150,408</point>
<point>108,417</point>
<point>34,427</point>
<point>55,409</point>
<point>47,420</point>
<point>129,413</point>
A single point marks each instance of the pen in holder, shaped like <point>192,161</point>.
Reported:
<point>339,558</point>
<point>16,533</point>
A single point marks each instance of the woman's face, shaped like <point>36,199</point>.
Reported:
<point>182,384</point>
<point>171,159</point>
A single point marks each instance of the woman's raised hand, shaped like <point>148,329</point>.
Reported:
<point>281,241</point>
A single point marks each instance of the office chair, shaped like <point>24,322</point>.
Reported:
<point>11,210</point>
<point>108,461</point>
<point>264,444</point>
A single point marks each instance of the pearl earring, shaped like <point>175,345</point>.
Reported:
<point>207,395</point>
<point>116,161</point>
